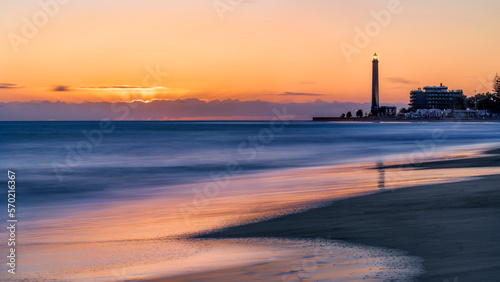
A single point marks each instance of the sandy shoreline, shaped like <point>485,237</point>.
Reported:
<point>454,227</point>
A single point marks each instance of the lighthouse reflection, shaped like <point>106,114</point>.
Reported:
<point>381,175</point>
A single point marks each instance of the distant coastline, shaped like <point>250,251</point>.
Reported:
<point>395,119</point>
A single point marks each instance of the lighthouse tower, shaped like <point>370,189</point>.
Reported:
<point>375,93</point>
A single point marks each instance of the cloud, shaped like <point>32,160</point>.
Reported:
<point>122,87</point>
<point>9,86</point>
<point>401,80</point>
<point>300,94</point>
<point>61,88</point>
<point>180,109</point>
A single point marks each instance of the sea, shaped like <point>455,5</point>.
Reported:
<point>121,200</point>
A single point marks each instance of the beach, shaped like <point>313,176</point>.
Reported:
<point>202,201</point>
<point>250,141</point>
<point>454,226</point>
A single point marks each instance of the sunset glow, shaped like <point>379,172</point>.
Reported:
<point>129,50</point>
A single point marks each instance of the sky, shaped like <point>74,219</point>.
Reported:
<point>278,51</point>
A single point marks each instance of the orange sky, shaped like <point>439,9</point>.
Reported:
<point>253,50</point>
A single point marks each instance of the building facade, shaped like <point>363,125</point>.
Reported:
<point>435,97</point>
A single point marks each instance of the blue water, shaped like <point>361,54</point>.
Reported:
<point>56,161</point>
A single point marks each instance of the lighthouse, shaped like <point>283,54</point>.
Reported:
<point>375,93</point>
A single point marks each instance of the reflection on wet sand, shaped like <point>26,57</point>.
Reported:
<point>381,175</point>
<point>219,260</point>
<point>144,220</point>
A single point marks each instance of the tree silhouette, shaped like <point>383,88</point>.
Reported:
<point>459,103</point>
<point>496,85</point>
<point>484,101</point>
<point>359,113</point>
<point>349,114</point>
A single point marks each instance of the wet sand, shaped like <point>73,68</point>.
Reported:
<point>454,227</point>
<point>491,158</point>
